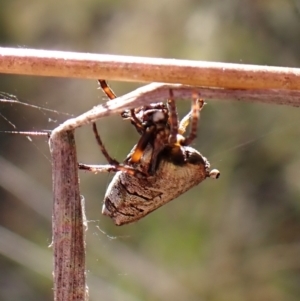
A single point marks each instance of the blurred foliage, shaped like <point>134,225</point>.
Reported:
<point>232,239</point>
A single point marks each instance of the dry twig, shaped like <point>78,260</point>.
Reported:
<point>68,222</point>
<point>214,80</point>
<point>141,69</point>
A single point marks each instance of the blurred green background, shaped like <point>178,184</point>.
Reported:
<point>234,239</point>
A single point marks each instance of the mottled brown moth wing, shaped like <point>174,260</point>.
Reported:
<point>129,198</point>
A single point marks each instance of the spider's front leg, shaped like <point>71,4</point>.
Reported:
<point>127,114</point>
<point>193,116</point>
<point>166,133</point>
<point>113,166</point>
<point>173,119</point>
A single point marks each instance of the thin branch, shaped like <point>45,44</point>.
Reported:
<point>68,221</point>
<point>142,69</point>
<point>159,92</point>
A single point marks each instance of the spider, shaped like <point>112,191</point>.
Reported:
<point>160,167</point>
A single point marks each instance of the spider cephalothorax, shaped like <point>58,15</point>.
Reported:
<point>160,167</point>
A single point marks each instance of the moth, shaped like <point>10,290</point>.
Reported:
<point>160,167</point>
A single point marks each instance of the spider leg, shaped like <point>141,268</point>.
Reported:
<point>134,120</point>
<point>193,116</point>
<point>173,118</point>
<point>111,95</point>
<point>111,168</point>
<point>165,135</point>
<point>130,114</point>
<point>159,144</point>
<point>137,153</point>
<point>109,159</point>
<point>114,165</point>
<point>185,121</point>
<point>106,88</point>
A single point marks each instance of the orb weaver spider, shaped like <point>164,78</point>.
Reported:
<point>160,167</point>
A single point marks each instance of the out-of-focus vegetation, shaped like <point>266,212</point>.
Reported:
<point>234,239</point>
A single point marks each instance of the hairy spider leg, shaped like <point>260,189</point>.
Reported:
<point>109,159</point>
<point>110,168</point>
<point>167,135</point>
<point>175,132</point>
<point>160,142</point>
<point>137,153</point>
<point>197,105</point>
<point>130,114</point>
<point>186,119</point>
<point>111,95</point>
<point>106,88</point>
<point>139,149</point>
<point>173,118</point>
<point>113,166</point>
<point>194,116</point>
<point>135,157</point>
